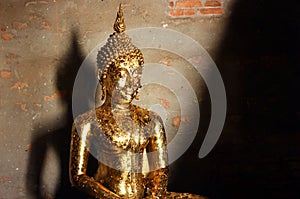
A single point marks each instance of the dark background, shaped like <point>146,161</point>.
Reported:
<point>258,154</point>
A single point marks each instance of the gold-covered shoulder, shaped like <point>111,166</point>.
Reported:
<point>87,117</point>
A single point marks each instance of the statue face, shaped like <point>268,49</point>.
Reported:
<point>129,74</point>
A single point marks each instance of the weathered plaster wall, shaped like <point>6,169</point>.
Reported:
<point>255,45</point>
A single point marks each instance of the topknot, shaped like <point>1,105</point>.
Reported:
<point>118,45</point>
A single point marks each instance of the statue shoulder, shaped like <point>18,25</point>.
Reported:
<point>154,117</point>
<point>145,116</point>
<point>88,117</point>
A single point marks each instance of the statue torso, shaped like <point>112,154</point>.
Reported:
<point>119,143</point>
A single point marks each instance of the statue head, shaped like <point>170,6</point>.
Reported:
<point>120,64</point>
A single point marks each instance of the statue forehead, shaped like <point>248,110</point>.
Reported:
<point>129,63</point>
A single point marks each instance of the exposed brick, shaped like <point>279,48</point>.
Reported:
<point>18,25</point>
<point>188,4</point>
<point>213,3</point>
<point>3,28</point>
<point>189,12</point>
<point>6,36</point>
<point>211,11</point>
<point>176,13</point>
<point>188,8</point>
<point>56,95</point>
<point>5,74</point>
<point>182,13</point>
<point>45,25</point>
<point>171,4</point>
<point>19,85</point>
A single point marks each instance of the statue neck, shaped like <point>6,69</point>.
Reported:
<point>118,106</point>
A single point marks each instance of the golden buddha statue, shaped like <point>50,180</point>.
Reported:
<point>120,132</point>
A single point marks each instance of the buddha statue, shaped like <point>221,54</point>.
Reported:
<point>120,133</point>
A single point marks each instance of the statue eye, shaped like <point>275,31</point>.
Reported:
<point>134,64</point>
<point>122,79</point>
<point>120,74</point>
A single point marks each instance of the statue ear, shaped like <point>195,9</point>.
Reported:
<point>103,94</point>
<point>100,86</point>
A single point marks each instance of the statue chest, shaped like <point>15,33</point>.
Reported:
<point>119,147</point>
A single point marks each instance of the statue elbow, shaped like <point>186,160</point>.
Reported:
<point>74,179</point>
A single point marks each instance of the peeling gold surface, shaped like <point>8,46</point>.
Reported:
<point>121,127</point>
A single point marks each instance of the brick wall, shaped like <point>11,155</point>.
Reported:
<point>191,8</point>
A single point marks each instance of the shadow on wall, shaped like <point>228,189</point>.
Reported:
<point>58,139</point>
<point>257,154</point>
<point>261,44</point>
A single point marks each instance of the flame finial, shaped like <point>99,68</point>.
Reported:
<point>119,25</point>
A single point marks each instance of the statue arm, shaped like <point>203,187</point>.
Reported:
<point>78,166</point>
<point>157,178</point>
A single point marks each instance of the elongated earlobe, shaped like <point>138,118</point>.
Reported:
<point>100,86</point>
<point>103,93</point>
<point>99,74</point>
<point>98,95</point>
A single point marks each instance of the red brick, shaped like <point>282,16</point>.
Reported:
<point>176,13</point>
<point>3,28</point>
<point>176,121</point>
<point>211,11</point>
<point>5,74</point>
<point>189,12</point>
<point>213,3</point>
<point>20,85</point>
<point>188,4</point>
<point>165,103</point>
<point>18,25</point>
<point>45,25</point>
<point>166,61</point>
<point>6,36</point>
<point>56,95</point>
<point>2,180</point>
<point>171,4</point>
